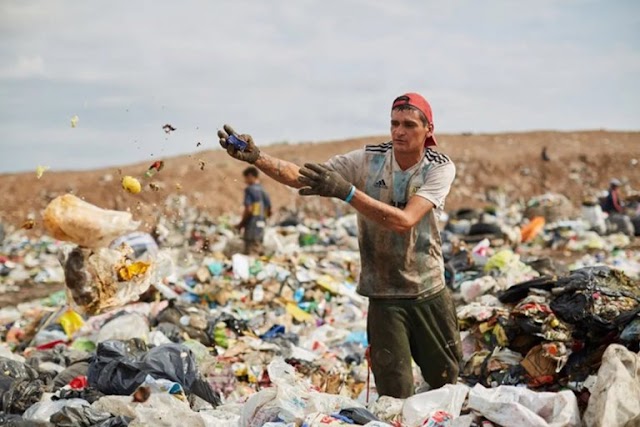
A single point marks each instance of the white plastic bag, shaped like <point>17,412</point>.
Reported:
<point>615,398</point>
<point>240,266</point>
<point>449,398</point>
<point>73,220</point>
<point>518,406</point>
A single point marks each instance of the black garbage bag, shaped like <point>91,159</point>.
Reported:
<point>13,420</point>
<point>78,416</point>
<point>359,416</point>
<point>21,395</point>
<point>520,291</point>
<point>88,393</point>
<point>17,370</point>
<point>117,370</point>
<point>599,300</point>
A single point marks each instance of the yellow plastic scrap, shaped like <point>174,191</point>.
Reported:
<point>298,314</point>
<point>128,272</point>
<point>131,184</point>
<point>74,121</point>
<point>40,170</point>
<point>328,284</point>
<point>500,260</point>
<point>71,322</point>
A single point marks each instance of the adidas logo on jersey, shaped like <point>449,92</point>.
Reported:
<point>380,184</point>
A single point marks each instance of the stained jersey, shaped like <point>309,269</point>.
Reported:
<point>398,266</point>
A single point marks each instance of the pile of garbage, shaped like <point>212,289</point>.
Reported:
<point>181,329</point>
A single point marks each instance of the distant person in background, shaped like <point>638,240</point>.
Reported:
<point>614,207</point>
<point>257,208</point>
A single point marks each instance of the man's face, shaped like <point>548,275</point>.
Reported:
<point>407,131</point>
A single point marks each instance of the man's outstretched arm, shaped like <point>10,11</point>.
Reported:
<point>281,170</point>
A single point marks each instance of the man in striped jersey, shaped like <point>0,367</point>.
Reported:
<point>396,188</point>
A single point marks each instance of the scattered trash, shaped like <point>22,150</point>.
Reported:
<point>40,170</point>
<point>168,128</point>
<point>154,168</point>
<point>176,326</point>
<point>131,184</point>
<point>28,224</point>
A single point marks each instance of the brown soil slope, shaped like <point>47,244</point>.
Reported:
<point>580,162</point>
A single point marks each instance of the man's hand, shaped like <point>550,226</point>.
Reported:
<point>318,180</point>
<point>249,155</point>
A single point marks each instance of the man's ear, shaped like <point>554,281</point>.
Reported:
<point>430,130</point>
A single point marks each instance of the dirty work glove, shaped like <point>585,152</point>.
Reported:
<point>249,155</point>
<point>319,180</point>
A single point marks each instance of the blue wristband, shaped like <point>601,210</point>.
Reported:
<point>351,193</point>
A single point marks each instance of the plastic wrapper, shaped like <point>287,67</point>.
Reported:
<point>615,398</point>
<point>95,282</point>
<point>517,406</point>
<point>73,220</point>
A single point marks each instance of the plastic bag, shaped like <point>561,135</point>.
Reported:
<point>615,399</point>
<point>472,289</point>
<point>517,406</point>
<point>79,416</point>
<point>73,220</point>
<point>42,411</point>
<point>420,407</point>
<point>165,410</point>
<point>118,369</point>
<point>94,283</point>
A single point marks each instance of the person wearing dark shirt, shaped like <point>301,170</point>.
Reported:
<point>613,206</point>
<point>612,202</point>
<point>257,208</point>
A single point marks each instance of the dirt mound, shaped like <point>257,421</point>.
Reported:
<point>579,162</point>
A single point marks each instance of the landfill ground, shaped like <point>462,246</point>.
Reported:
<point>181,329</point>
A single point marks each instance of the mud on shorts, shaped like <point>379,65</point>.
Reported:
<point>423,330</point>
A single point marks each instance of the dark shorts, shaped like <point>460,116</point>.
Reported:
<point>425,331</point>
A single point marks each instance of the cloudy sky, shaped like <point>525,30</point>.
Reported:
<point>301,70</point>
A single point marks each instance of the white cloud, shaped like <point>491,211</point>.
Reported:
<point>24,67</point>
